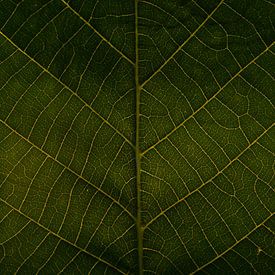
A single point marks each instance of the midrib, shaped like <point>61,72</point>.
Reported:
<point>137,150</point>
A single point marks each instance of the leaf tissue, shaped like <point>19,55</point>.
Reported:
<point>137,137</point>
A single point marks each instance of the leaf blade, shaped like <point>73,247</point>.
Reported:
<point>136,137</point>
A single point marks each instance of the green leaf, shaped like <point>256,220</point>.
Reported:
<point>136,137</point>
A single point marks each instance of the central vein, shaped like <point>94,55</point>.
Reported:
<point>137,150</point>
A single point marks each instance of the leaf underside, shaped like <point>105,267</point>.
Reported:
<point>136,136</point>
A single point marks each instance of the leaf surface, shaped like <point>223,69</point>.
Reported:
<point>136,137</point>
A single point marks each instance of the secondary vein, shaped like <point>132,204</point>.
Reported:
<point>98,33</point>
<point>44,69</point>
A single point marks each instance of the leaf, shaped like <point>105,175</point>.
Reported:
<point>137,137</point>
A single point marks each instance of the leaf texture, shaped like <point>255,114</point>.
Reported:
<point>136,137</point>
